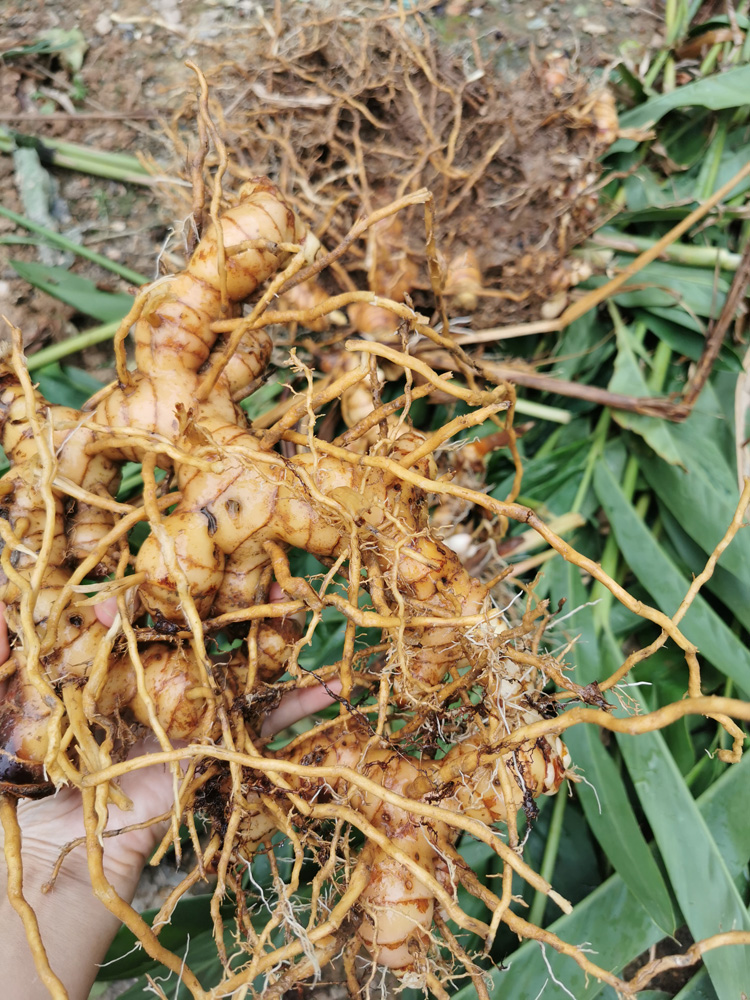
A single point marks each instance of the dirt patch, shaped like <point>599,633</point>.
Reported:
<point>350,115</point>
<point>133,94</point>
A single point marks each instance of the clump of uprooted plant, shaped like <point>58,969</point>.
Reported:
<point>443,728</point>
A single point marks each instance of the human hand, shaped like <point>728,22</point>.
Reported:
<point>49,824</point>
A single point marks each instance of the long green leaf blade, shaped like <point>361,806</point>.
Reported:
<point>727,90</point>
<point>699,988</point>
<point>602,793</point>
<point>612,919</point>
<point>628,379</point>
<point>661,578</point>
<point>702,883</point>
<point>78,292</point>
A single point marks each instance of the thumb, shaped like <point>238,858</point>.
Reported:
<point>106,611</point>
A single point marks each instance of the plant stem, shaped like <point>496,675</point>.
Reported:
<point>135,479</point>
<point>697,769</point>
<point>710,169</point>
<point>655,69</point>
<point>55,352</point>
<point>112,173</point>
<point>611,554</point>
<point>676,20</point>
<point>129,163</point>
<point>681,253</point>
<point>595,453</point>
<point>65,244</point>
<point>710,61</point>
<point>670,21</point>
<point>115,166</point>
<point>549,444</point>
<point>669,80</point>
<point>551,850</point>
<point>641,506</point>
<point>554,413</point>
<point>660,367</point>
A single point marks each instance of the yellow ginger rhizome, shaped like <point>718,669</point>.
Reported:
<point>439,728</point>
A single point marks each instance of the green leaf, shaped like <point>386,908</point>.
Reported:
<point>613,921</point>
<point>720,21</point>
<point>612,820</point>
<point>260,400</point>
<point>702,883</point>
<point>78,292</point>
<point>34,48</point>
<point>610,920</point>
<point>580,349</point>
<point>734,158</point>
<point>191,917</point>
<point>628,380</point>
<point>699,988</point>
<point>190,934</point>
<point>576,869</point>
<point>200,954</point>
<point>661,578</point>
<point>703,503</point>
<point>684,339</point>
<point>69,44</point>
<point>57,240</point>
<point>66,386</point>
<point>646,189</point>
<point>661,284</point>
<point>545,475</point>
<point>606,804</point>
<point>727,90</point>
<point>52,42</point>
<point>681,318</point>
<point>730,589</point>
<point>686,140</point>
<point>726,815</point>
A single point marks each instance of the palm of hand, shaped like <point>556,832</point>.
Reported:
<point>49,824</point>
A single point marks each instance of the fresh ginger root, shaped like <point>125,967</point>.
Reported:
<point>173,340</point>
<point>430,742</point>
<point>240,507</point>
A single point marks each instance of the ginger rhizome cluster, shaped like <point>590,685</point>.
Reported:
<point>440,729</point>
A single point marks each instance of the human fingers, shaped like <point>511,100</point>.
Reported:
<point>276,594</point>
<point>295,705</point>
<point>106,611</point>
